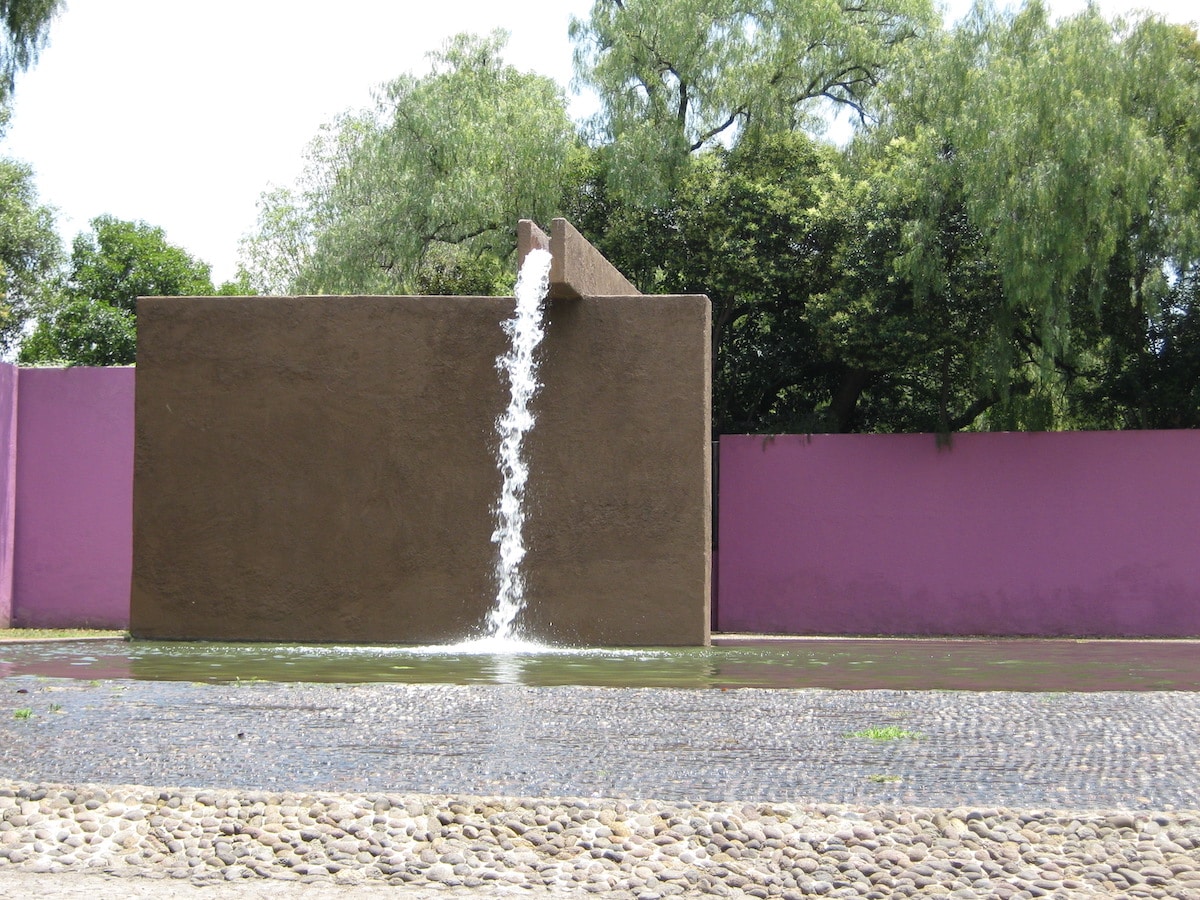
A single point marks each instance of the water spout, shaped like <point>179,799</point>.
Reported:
<point>525,330</point>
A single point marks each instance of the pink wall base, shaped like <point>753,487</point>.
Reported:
<point>1081,533</point>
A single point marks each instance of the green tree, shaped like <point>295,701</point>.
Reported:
<point>24,29</point>
<point>976,261</point>
<point>30,251</point>
<point>741,226</point>
<point>275,253</point>
<point>444,167</point>
<point>1056,161</point>
<point>907,357</point>
<point>1051,128</point>
<point>678,76</point>
<point>82,333</point>
<point>117,261</point>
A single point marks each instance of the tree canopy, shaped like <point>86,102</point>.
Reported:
<point>30,251</point>
<point>678,76</point>
<point>1065,153</point>
<point>431,181</point>
<point>92,319</point>
<point>24,29</point>
<point>1010,240</point>
<point>118,261</point>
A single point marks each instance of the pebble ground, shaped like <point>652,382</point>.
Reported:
<point>313,791</point>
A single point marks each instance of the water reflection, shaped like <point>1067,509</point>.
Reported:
<point>1021,665</point>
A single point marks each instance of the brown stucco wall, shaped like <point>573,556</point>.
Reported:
<point>321,469</point>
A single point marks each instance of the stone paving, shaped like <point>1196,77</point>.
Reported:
<point>1126,750</point>
<point>739,792</point>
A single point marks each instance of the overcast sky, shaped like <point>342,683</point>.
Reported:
<point>181,113</point>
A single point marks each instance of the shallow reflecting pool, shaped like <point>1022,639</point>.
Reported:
<point>903,664</point>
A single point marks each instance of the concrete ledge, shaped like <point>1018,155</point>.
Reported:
<point>577,269</point>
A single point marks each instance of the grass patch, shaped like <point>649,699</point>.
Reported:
<point>41,634</point>
<point>23,713</point>
<point>884,779</point>
<point>887,733</point>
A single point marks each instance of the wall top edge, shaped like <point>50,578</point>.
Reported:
<point>948,441</point>
<point>427,298</point>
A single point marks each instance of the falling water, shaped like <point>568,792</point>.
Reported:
<point>525,329</point>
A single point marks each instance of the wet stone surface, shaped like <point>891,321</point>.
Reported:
<point>636,793</point>
<point>1128,750</point>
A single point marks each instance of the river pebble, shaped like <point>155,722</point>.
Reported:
<point>620,847</point>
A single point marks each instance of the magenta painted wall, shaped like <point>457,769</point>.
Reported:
<point>1080,533</point>
<point>74,509</point>
<point>8,486</point>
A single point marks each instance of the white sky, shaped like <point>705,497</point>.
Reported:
<point>180,112</point>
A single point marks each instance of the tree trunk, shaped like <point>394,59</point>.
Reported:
<point>845,399</point>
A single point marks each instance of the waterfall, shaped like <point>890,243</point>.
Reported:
<point>520,366</point>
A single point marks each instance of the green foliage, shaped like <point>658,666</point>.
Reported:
<point>240,286</point>
<point>1013,244</point>
<point>746,236</point>
<point>1068,148</point>
<point>448,269</point>
<point>93,320</point>
<point>887,733</point>
<point>30,251</point>
<point>1145,375</point>
<point>273,256</point>
<point>442,169</point>
<point>677,76</point>
<point>740,227</point>
<point>24,28</point>
<point>82,333</point>
<point>887,289</point>
<point>119,261</point>
<point>914,355</point>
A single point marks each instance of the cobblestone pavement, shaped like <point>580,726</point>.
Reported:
<point>1001,753</point>
<point>28,886</point>
<point>1128,750</point>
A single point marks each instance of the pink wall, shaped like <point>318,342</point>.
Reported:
<point>8,486</point>
<point>73,540</point>
<point>1080,533</point>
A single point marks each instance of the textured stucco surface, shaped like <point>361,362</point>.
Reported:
<point>321,468</point>
<point>1045,534</point>
<point>74,474</point>
<point>8,486</point>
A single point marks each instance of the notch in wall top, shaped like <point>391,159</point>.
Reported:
<point>577,269</point>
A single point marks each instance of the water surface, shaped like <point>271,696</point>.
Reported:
<point>895,663</point>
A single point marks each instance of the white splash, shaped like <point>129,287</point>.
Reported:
<point>519,364</point>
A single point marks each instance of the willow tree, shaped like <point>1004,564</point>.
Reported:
<point>426,189</point>
<point>678,76</point>
<point>24,29</point>
<point>1068,149</point>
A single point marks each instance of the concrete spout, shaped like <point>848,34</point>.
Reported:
<point>577,269</point>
